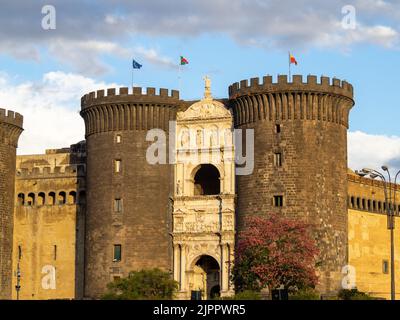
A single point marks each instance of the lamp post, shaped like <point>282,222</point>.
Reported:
<point>18,285</point>
<point>390,211</point>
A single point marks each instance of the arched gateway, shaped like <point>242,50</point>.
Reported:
<point>203,212</point>
<point>204,276</point>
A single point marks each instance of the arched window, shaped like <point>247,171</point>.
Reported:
<point>21,199</point>
<point>207,180</point>
<point>61,197</point>
<point>379,206</point>
<point>358,203</point>
<point>52,198</point>
<point>30,201</point>
<point>363,204</point>
<point>352,202</point>
<point>72,197</point>
<point>374,205</point>
<point>41,199</point>
<point>369,205</point>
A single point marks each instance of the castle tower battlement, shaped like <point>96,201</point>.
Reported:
<point>128,111</point>
<point>10,127</point>
<point>120,176</point>
<point>325,85</point>
<point>282,100</point>
<point>300,158</point>
<point>10,130</point>
<point>11,117</point>
<point>111,95</point>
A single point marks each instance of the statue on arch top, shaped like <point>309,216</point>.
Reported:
<point>207,91</point>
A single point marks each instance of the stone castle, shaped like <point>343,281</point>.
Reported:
<point>74,219</point>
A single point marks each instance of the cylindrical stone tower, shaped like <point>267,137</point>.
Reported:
<point>10,130</point>
<point>128,199</point>
<point>300,159</point>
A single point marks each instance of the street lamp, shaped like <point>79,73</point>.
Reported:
<point>390,210</point>
<point>18,285</point>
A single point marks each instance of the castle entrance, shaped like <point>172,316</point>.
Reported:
<point>204,200</point>
<point>204,277</point>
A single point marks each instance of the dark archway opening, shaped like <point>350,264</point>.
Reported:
<point>210,270</point>
<point>207,181</point>
<point>215,292</point>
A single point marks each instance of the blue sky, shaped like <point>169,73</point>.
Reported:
<point>43,73</point>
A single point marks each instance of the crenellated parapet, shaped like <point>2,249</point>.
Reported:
<point>105,111</point>
<point>10,127</point>
<point>52,172</point>
<point>326,100</point>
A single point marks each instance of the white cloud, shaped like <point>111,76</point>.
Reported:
<point>372,151</point>
<point>154,57</point>
<point>86,32</point>
<point>50,108</point>
<point>85,56</point>
<point>379,35</point>
<point>51,119</point>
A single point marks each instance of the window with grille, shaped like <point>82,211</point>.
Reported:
<point>118,205</point>
<point>117,253</point>
<point>278,201</point>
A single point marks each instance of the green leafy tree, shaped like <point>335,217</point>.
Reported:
<point>153,284</point>
<point>273,251</point>
<point>353,294</point>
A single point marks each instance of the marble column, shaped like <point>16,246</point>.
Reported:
<point>183,268</point>
<point>176,263</point>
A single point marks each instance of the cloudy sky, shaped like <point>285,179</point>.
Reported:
<point>43,73</point>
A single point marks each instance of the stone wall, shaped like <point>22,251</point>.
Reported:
<point>10,130</point>
<point>306,123</point>
<point>116,129</point>
<point>369,237</point>
<point>49,219</point>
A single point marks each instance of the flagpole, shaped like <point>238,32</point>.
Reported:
<point>179,77</point>
<point>290,75</point>
<point>132,80</point>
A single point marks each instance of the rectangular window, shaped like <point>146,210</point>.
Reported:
<point>55,252</point>
<point>385,267</point>
<point>19,252</point>
<point>118,138</point>
<point>278,159</point>
<point>118,205</point>
<point>278,128</point>
<point>278,201</point>
<point>117,166</point>
<point>117,253</point>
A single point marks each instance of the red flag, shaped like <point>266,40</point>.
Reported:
<point>293,59</point>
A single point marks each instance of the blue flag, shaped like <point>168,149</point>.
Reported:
<point>136,65</point>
